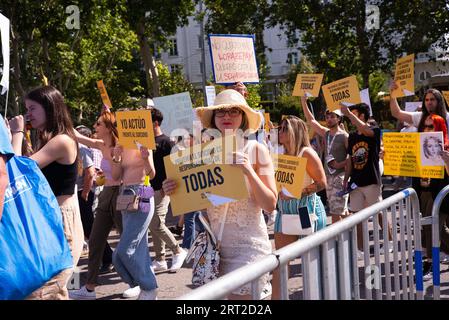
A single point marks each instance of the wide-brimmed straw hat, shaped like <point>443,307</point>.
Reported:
<point>228,99</point>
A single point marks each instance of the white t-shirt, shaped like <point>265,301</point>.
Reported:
<point>416,116</point>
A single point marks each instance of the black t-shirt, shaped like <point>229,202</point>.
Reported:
<point>364,152</point>
<point>163,148</point>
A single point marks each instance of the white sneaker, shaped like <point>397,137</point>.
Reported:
<point>266,291</point>
<point>148,295</point>
<point>444,258</point>
<point>178,260</point>
<point>428,276</point>
<point>159,266</point>
<point>390,248</point>
<point>360,255</point>
<point>131,292</point>
<point>82,294</point>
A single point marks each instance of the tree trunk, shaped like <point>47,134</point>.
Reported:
<point>362,41</point>
<point>151,75</point>
<point>15,61</point>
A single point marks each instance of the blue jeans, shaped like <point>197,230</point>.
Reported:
<point>132,258</point>
<point>191,225</point>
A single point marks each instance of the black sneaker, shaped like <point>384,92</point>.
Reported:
<point>106,269</point>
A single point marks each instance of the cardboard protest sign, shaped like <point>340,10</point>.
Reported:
<point>210,95</point>
<point>267,121</point>
<point>344,91</point>
<point>233,58</point>
<point>4,32</point>
<point>104,94</point>
<point>404,76</point>
<point>289,174</point>
<point>413,154</point>
<point>177,112</point>
<point>364,97</point>
<point>204,178</point>
<point>135,128</point>
<point>307,84</point>
<point>412,106</point>
<point>446,97</point>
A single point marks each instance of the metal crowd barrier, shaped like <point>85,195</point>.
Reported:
<point>329,260</point>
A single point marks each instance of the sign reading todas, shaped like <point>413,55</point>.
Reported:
<point>203,178</point>
<point>135,128</point>
<point>289,174</point>
<point>104,94</point>
<point>344,91</point>
<point>413,154</point>
<point>404,76</point>
<point>307,84</point>
<point>233,58</point>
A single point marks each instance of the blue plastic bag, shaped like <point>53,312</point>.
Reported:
<point>33,248</point>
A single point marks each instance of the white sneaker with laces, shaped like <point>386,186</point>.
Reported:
<point>82,294</point>
<point>148,295</point>
<point>159,265</point>
<point>178,260</point>
<point>131,292</point>
<point>428,276</point>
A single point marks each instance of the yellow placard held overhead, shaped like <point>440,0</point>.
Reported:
<point>289,174</point>
<point>308,84</point>
<point>104,94</point>
<point>344,91</point>
<point>404,76</point>
<point>135,128</point>
<point>204,178</point>
<point>446,97</point>
<point>407,155</point>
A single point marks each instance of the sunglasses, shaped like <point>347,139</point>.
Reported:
<point>233,112</point>
<point>429,126</point>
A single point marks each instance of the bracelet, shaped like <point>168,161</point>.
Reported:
<point>18,131</point>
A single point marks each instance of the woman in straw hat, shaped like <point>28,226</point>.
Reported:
<point>245,236</point>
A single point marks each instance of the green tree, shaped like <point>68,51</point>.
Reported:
<point>333,34</point>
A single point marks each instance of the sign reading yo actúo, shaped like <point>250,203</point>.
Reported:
<point>135,128</point>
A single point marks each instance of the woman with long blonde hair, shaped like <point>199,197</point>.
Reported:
<point>294,137</point>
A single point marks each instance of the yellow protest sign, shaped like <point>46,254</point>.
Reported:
<point>289,174</point>
<point>308,84</point>
<point>135,128</point>
<point>344,91</point>
<point>404,76</point>
<point>203,178</point>
<point>446,96</point>
<point>413,154</point>
<point>104,94</point>
<point>267,121</point>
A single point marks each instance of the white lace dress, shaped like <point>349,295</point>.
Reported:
<point>245,237</point>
